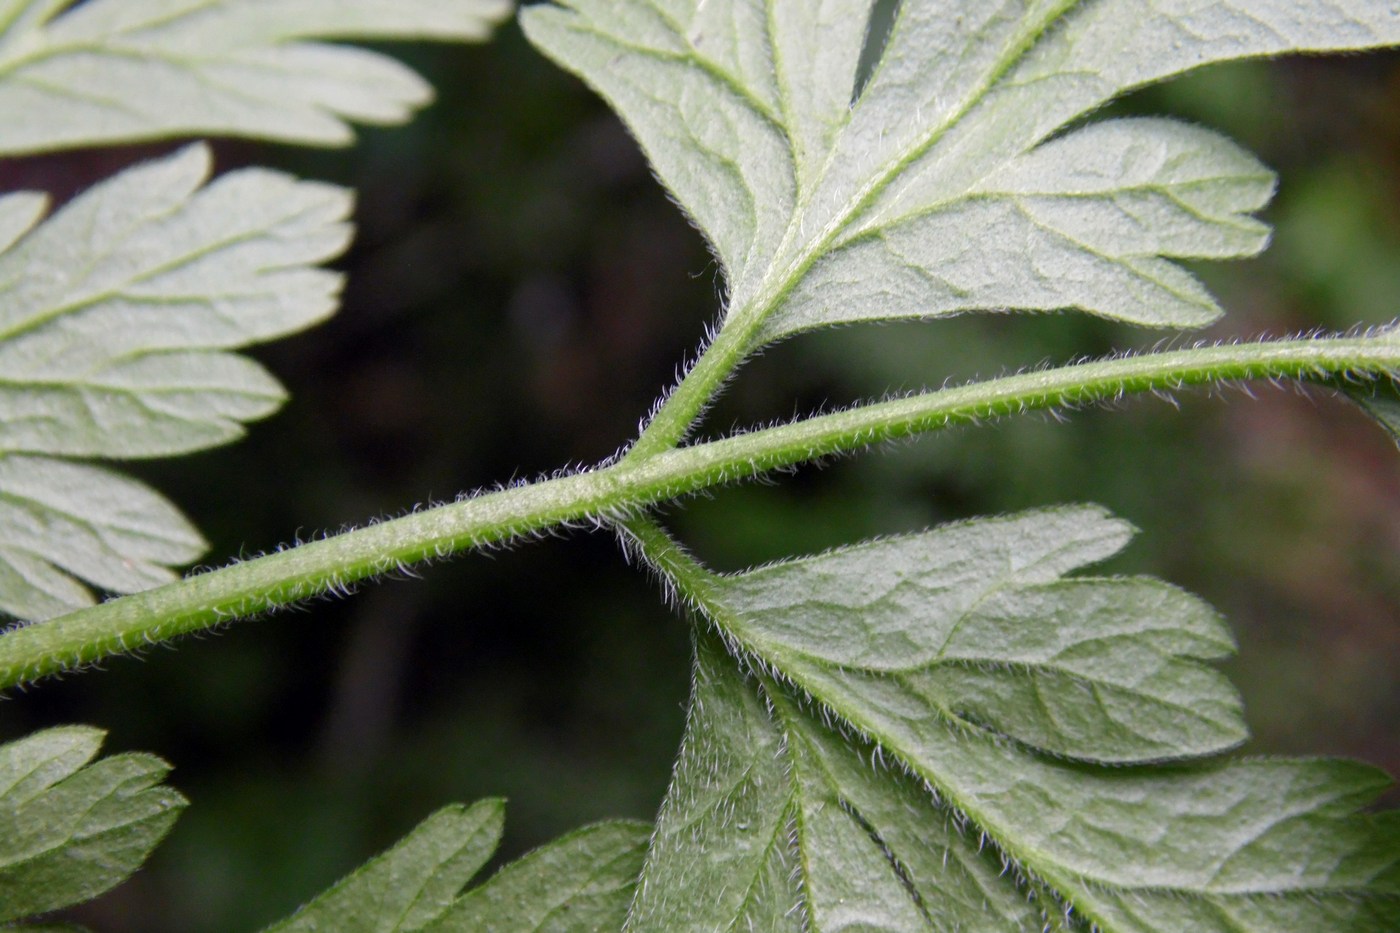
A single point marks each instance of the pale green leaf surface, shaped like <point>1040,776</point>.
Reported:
<point>935,192</point>
<point>971,622</point>
<point>117,316</point>
<point>713,136</point>
<point>725,823</point>
<point>119,70</point>
<point>59,520</point>
<point>579,883</point>
<point>887,849</point>
<point>778,823</point>
<point>412,884</point>
<point>116,307</point>
<point>71,827</point>
<point>1246,845</point>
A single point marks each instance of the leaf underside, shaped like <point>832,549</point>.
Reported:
<point>943,186</point>
<point>119,311</point>
<point>70,826</point>
<point>119,314</point>
<point>120,70</point>
<point>941,732</point>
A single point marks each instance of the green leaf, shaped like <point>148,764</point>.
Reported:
<point>580,882</point>
<point>119,311</point>
<point>773,822</point>
<point>972,624</point>
<point>1247,845</point>
<point>725,824</point>
<point>71,827</point>
<point>936,191</point>
<point>964,662</point>
<point>409,886</point>
<point>119,70</point>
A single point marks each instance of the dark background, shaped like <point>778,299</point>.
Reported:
<point>519,292</point>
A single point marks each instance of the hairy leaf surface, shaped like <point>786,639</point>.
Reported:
<point>120,70</point>
<point>580,882</point>
<point>117,317</point>
<point>942,187</point>
<point>412,884</point>
<point>786,827</point>
<point>973,624</point>
<point>967,665</point>
<point>72,827</point>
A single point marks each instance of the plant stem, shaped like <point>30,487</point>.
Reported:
<point>613,492</point>
<point>680,410</point>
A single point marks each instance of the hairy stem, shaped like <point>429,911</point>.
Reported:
<point>638,481</point>
<point>682,408</point>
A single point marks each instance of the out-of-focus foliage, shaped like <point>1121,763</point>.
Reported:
<point>74,827</point>
<point>584,880</point>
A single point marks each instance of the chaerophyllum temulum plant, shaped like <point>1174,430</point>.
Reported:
<point>959,729</point>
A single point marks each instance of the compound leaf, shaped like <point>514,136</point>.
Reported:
<point>1034,727</point>
<point>72,827</point>
<point>934,189</point>
<point>118,315</point>
<point>118,70</point>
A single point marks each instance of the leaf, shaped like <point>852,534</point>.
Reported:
<point>71,827</point>
<point>119,70</point>
<point>962,660</point>
<point>973,624</point>
<point>724,826</point>
<point>943,187</point>
<point>582,881</point>
<point>773,822</point>
<point>119,311</point>
<point>59,518</point>
<point>414,882</point>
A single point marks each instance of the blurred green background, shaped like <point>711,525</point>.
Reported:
<point>519,292</point>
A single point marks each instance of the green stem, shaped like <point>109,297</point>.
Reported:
<point>631,485</point>
<point>682,408</point>
<point>656,546</point>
